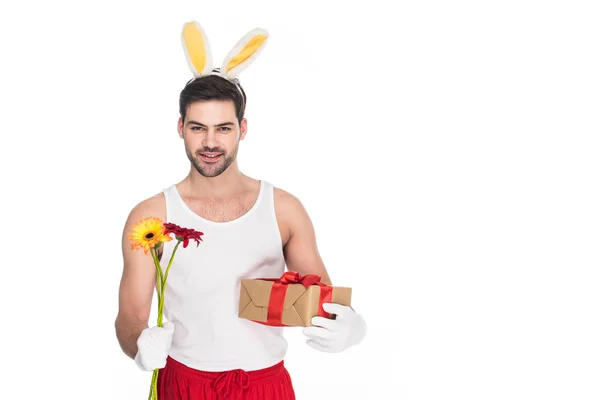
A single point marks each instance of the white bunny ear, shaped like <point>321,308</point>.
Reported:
<point>244,53</point>
<point>197,49</point>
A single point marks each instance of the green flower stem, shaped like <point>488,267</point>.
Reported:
<point>160,279</point>
<point>153,392</point>
<point>171,261</point>
<point>154,389</point>
<point>162,294</point>
<point>158,284</point>
<point>161,283</point>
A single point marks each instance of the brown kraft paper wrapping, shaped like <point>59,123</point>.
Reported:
<point>301,304</point>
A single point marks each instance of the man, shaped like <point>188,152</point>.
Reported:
<point>251,229</point>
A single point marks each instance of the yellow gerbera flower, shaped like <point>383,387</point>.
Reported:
<point>147,233</point>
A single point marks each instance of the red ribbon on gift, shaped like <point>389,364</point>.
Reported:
<point>279,290</point>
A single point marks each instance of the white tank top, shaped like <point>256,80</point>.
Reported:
<point>203,286</point>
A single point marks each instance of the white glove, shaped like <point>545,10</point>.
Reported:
<point>336,335</point>
<point>153,347</point>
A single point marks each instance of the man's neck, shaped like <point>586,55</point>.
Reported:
<point>228,184</point>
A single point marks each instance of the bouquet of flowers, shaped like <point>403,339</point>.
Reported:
<point>149,234</point>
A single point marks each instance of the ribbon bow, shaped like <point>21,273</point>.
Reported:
<point>279,290</point>
<point>294,277</point>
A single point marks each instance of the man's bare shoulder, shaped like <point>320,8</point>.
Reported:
<point>286,204</point>
<point>289,210</point>
<point>153,206</point>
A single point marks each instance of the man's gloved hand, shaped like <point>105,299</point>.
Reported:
<point>153,347</point>
<point>336,335</point>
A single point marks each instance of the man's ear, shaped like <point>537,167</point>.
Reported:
<point>180,127</point>
<point>243,128</point>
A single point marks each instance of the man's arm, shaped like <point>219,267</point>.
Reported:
<point>302,255</point>
<point>137,282</point>
<point>301,251</point>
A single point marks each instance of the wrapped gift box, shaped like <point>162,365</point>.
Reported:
<point>291,300</point>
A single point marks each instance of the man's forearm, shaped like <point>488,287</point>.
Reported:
<point>128,330</point>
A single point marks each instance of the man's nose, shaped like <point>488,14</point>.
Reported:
<point>210,140</point>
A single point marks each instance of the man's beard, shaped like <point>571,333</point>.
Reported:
<point>212,170</point>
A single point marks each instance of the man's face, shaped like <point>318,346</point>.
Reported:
<point>211,135</point>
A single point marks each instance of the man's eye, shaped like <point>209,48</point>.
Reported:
<point>225,128</point>
<point>196,128</point>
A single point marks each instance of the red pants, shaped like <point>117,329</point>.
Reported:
<point>179,382</point>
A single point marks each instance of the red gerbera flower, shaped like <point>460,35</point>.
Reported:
<point>183,234</point>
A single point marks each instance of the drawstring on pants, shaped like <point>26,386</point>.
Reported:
<point>236,380</point>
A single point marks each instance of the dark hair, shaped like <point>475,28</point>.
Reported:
<point>212,87</point>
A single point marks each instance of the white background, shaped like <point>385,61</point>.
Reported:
<point>447,153</point>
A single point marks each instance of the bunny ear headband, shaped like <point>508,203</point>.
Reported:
<point>199,56</point>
